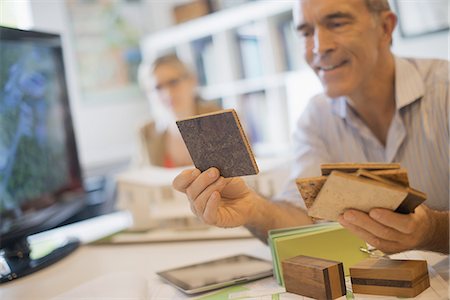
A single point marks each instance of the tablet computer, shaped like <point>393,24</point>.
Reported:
<point>217,273</point>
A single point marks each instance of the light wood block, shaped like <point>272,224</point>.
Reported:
<point>400,278</point>
<point>398,176</point>
<point>353,167</point>
<point>314,277</point>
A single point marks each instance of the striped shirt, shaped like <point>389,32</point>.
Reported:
<point>418,138</point>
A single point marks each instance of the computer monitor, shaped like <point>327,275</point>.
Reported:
<point>40,178</point>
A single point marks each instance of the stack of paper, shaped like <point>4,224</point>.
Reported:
<point>324,240</point>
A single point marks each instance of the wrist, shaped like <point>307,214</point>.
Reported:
<point>259,214</point>
<point>437,236</point>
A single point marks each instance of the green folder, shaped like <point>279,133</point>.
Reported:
<point>323,240</point>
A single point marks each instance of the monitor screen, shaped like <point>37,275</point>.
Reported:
<point>39,168</point>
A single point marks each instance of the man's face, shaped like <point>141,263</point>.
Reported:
<point>342,41</point>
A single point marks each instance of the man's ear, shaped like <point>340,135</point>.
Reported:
<point>388,22</point>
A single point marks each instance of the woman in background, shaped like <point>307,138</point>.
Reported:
<point>174,97</point>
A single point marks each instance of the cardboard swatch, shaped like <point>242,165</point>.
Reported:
<point>218,140</point>
<point>342,191</point>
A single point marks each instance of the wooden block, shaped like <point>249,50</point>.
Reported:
<point>412,200</point>
<point>342,191</point>
<point>217,140</point>
<point>398,176</point>
<point>400,278</point>
<point>314,277</point>
<point>353,167</point>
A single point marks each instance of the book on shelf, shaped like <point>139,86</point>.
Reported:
<point>249,44</point>
<point>293,55</point>
<point>205,61</point>
<point>254,110</point>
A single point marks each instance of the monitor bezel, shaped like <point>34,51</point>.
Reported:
<point>74,191</point>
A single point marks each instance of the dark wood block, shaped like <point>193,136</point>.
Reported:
<point>218,140</point>
<point>412,200</point>
<point>314,277</point>
<point>400,278</point>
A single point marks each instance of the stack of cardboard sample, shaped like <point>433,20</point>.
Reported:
<point>358,186</point>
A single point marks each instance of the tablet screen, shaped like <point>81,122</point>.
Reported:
<point>217,273</point>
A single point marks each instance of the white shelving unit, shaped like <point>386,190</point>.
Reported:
<point>254,83</point>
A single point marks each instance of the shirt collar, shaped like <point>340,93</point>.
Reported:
<point>409,87</point>
<point>339,106</point>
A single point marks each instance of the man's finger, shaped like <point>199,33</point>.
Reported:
<point>201,182</point>
<point>210,214</point>
<point>377,242</point>
<point>184,179</point>
<point>200,202</point>
<point>362,220</point>
<point>402,223</point>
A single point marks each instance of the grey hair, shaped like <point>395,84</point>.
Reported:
<point>376,6</point>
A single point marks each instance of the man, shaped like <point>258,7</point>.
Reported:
<point>376,107</point>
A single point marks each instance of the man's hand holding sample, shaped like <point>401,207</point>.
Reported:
<point>392,232</point>
<point>217,141</point>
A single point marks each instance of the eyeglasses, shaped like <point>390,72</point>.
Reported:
<point>170,83</point>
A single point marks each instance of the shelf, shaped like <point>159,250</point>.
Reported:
<point>243,86</point>
<point>212,24</point>
<point>241,56</point>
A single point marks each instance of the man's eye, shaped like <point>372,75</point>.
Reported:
<point>337,24</point>
<point>305,33</point>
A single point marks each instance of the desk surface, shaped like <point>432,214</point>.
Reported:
<point>92,261</point>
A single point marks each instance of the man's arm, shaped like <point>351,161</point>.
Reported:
<point>272,215</point>
<point>391,232</point>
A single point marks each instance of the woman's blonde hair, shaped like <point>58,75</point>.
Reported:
<point>170,59</point>
<point>160,114</point>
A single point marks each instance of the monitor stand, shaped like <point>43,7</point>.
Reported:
<point>15,260</point>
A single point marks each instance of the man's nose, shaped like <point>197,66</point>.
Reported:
<point>323,42</point>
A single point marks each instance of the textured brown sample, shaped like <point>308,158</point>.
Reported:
<point>388,277</point>
<point>309,188</point>
<point>218,140</point>
<point>314,277</point>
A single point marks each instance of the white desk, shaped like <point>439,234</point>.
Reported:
<point>92,261</point>
<point>141,261</point>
